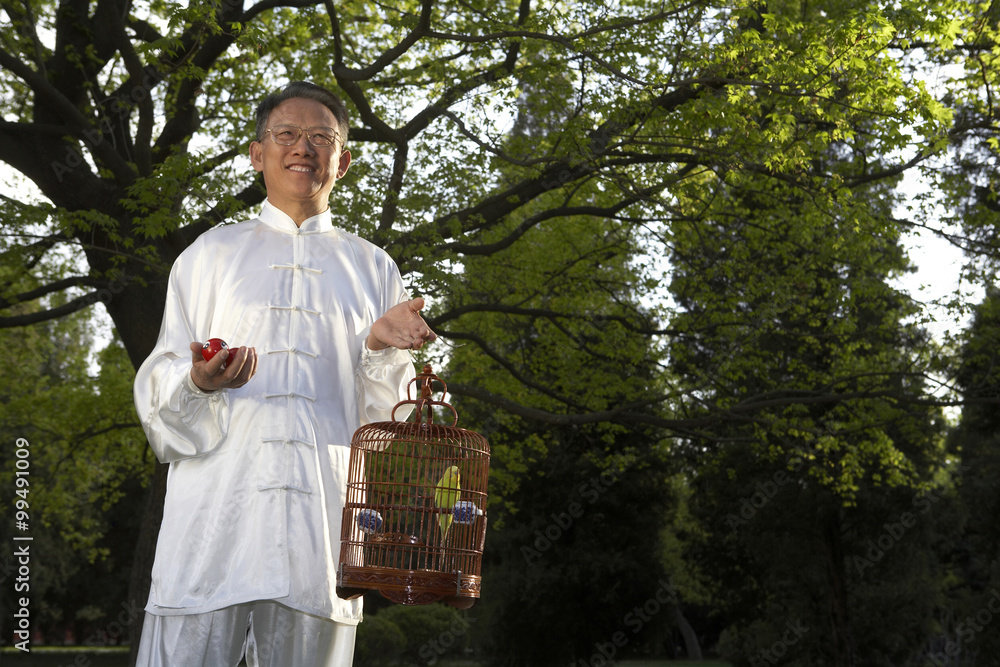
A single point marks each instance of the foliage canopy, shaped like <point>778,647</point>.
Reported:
<point>635,221</point>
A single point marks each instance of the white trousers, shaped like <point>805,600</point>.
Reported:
<point>266,633</point>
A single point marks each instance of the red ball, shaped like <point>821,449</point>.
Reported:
<point>212,347</point>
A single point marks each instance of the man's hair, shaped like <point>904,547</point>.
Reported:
<point>306,90</point>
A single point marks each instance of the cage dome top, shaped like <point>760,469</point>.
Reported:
<point>374,435</point>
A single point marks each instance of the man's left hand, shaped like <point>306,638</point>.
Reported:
<point>402,327</point>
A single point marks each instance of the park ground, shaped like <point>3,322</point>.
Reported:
<point>81,657</point>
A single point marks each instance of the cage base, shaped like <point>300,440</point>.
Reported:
<point>411,587</point>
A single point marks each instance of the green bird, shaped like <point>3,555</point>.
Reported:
<point>445,496</point>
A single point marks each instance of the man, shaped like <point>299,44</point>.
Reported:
<point>258,438</point>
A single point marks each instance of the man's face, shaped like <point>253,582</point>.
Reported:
<point>299,177</point>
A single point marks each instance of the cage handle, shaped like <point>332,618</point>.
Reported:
<point>426,397</point>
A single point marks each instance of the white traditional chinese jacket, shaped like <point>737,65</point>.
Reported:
<point>257,474</point>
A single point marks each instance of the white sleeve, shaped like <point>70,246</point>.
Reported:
<point>180,420</point>
<point>383,375</point>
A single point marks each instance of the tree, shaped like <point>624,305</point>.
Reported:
<point>973,442</point>
<point>963,184</point>
<point>778,298</point>
<point>80,461</point>
<point>129,119</point>
<point>576,506</point>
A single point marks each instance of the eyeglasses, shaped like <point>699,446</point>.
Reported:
<point>287,135</point>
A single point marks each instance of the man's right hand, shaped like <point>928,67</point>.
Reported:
<point>241,365</point>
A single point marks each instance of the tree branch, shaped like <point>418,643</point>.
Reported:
<point>76,122</point>
<point>251,195</point>
<point>623,414</point>
<point>742,413</point>
<point>37,317</point>
<point>420,30</point>
<point>51,288</point>
<point>451,314</point>
<point>504,363</point>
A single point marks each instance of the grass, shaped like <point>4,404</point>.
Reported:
<point>88,656</point>
<point>66,656</point>
<point>672,663</point>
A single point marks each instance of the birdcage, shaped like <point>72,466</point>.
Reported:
<point>414,521</point>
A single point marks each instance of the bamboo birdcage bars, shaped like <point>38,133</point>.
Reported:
<point>407,531</point>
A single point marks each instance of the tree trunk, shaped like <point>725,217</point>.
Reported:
<point>843,642</point>
<point>691,645</point>
<point>142,560</point>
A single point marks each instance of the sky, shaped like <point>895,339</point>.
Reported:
<point>939,264</point>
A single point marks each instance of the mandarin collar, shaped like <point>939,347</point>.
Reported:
<point>274,217</point>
